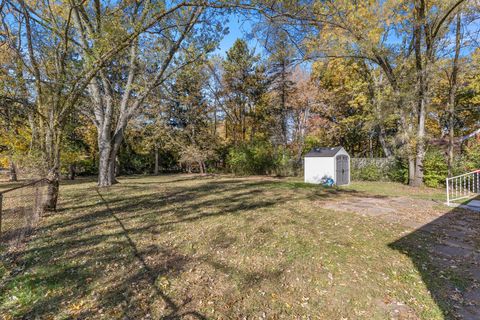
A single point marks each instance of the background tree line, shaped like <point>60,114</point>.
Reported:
<point>108,88</point>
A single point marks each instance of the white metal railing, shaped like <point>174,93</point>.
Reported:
<point>463,186</point>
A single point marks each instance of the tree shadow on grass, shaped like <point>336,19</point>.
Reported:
<point>104,259</point>
<point>446,252</point>
<point>170,261</point>
<point>166,179</point>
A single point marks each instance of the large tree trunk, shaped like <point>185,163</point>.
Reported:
<point>420,155</point>
<point>52,158</point>
<point>452,96</point>
<point>108,151</point>
<point>53,188</point>
<point>104,163</point>
<point>421,69</point>
<point>106,168</point>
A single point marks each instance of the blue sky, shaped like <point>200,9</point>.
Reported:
<point>238,27</point>
<point>235,32</point>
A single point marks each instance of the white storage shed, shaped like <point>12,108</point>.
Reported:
<point>332,163</point>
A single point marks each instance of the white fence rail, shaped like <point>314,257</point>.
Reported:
<point>463,186</point>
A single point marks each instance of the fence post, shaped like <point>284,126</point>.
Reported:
<point>448,194</point>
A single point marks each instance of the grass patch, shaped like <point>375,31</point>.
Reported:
<point>212,247</point>
<point>397,189</point>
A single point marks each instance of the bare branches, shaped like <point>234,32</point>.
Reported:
<point>446,15</point>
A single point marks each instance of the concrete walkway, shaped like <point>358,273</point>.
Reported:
<point>473,205</point>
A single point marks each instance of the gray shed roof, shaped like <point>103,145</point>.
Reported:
<point>323,152</point>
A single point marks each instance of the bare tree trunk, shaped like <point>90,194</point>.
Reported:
<point>244,125</point>
<point>451,141</point>
<point>370,147</point>
<point>50,124</point>
<point>420,67</point>
<point>407,134</point>
<point>374,83</point>
<point>107,165</point>
<point>53,188</point>
<point>253,129</point>
<point>52,157</point>
<point>420,155</point>
<point>71,171</point>
<point>155,170</point>
<point>12,171</point>
<point>411,170</point>
<point>215,120</point>
<point>383,143</point>
<point>33,129</point>
<point>452,96</point>
<point>107,170</point>
<point>116,166</point>
<point>425,34</point>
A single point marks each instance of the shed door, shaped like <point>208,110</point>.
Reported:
<point>342,170</point>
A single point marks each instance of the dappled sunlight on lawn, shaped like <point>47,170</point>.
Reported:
<point>190,246</point>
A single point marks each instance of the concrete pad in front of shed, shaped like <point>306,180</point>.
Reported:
<point>402,210</point>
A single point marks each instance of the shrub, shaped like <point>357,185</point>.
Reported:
<point>255,158</point>
<point>286,165</point>
<point>472,157</point>
<point>369,172</point>
<point>435,168</point>
<point>398,171</point>
<point>131,162</point>
<point>468,161</point>
<point>87,167</point>
<point>379,169</point>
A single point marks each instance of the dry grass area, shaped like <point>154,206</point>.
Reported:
<point>191,247</point>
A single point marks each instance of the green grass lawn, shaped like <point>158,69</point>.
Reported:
<point>217,248</point>
<point>397,189</point>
